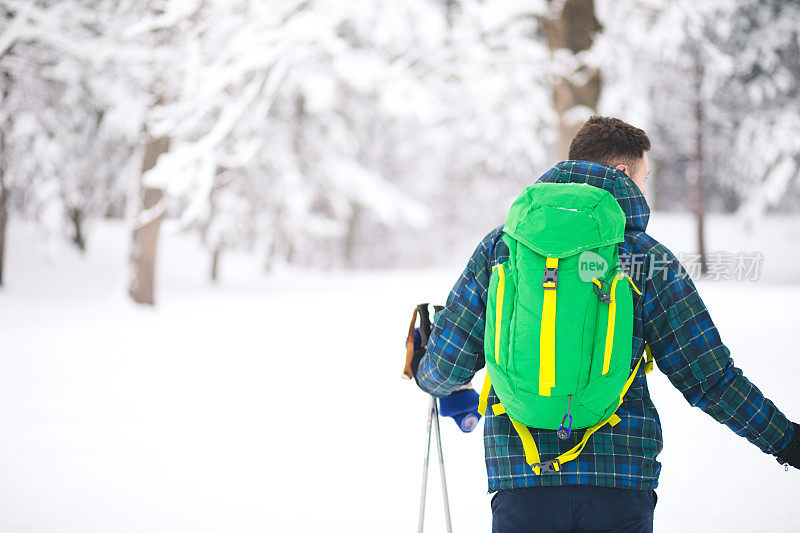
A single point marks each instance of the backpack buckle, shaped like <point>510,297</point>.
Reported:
<point>550,280</point>
<point>548,466</point>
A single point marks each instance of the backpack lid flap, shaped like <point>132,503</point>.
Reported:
<point>563,219</point>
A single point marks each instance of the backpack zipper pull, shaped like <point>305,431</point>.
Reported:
<point>602,289</point>
<point>564,432</point>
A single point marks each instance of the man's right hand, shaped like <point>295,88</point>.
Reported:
<point>461,406</point>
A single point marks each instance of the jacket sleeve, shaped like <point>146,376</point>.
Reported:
<point>455,348</point>
<point>688,349</point>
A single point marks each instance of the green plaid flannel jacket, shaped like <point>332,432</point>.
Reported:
<point>669,316</point>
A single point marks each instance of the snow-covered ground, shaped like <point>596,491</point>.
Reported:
<point>275,404</point>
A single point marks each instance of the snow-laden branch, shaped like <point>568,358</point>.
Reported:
<point>192,166</point>
<point>46,25</point>
<point>16,29</point>
<point>367,189</point>
<point>176,12</point>
<point>147,216</point>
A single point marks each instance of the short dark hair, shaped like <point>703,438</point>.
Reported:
<point>609,141</point>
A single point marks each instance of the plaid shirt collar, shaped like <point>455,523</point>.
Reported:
<point>610,179</point>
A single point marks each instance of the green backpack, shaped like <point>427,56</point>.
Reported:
<point>559,317</point>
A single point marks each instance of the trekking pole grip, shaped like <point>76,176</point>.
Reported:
<point>424,323</point>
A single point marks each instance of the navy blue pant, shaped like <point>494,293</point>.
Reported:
<point>573,508</point>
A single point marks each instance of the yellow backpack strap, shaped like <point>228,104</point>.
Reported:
<point>648,362</point>
<point>612,316</point>
<point>613,420</point>
<point>630,280</point>
<point>498,315</point>
<point>629,382</point>
<point>483,400</point>
<point>574,452</point>
<point>547,339</point>
<point>529,445</point>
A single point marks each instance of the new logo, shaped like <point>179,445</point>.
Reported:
<point>591,265</point>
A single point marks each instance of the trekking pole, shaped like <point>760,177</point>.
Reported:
<point>433,414</point>
<point>433,423</point>
<point>441,464</point>
<point>425,467</point>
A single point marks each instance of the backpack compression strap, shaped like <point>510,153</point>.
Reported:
<point>529,445</point>
<point>547,338</point>
<point>501,283</point>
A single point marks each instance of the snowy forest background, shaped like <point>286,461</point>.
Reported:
<point>345,134</point>
<point>281,181</point>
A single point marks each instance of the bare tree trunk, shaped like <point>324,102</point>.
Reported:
<point>269,260</point>
<point>275,242</point>
<point>450,12</point>
<point>696,175</point>
<point>145,236</point>
<point>351,237</point>
<point>574,30</point>
<point>5,79</point>
<point>215,256</point>
<point>3,203</point>
<point>218,243</point>
<point>76,217</point>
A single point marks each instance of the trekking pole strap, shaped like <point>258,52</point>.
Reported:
<point>407,372</point>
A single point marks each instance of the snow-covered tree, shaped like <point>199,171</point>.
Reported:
<point>748,54</point>
<point>569,29</point>
<point>154,77</point>
<point>472,109</point>
<point>761,93</point>
<point>64,149</point>
<point>334,123</point>
<point>664,71</point>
